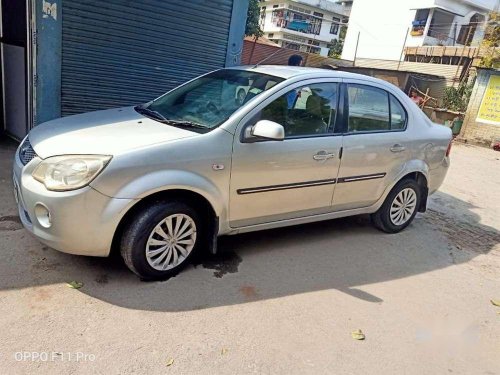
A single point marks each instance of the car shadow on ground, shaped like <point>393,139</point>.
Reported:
<point>343,254</point>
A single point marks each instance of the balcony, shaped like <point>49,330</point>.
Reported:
<point>435,25</point>
<point>438,26</point>
<point>297,21</point>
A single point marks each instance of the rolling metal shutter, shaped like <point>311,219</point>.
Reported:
<point>121,52</point>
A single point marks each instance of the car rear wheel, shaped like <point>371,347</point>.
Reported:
<point>399,208</point>
<point>161,240</point>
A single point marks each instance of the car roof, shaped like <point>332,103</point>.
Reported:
<point>287,72</point>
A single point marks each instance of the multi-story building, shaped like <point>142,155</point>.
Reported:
<point>381,29</point>
<point>303,25</point>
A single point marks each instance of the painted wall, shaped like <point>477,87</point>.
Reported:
<point>236,32</point>
<point>381,25</point>
<point>48,60</point>
<point>476,128</point>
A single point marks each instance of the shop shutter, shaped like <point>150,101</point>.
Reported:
<point>119,52</point>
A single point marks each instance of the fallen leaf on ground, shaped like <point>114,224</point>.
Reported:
<point>170,362</point>
<point>223,351</point>
<point>358,335</point>
<point>495,302</point>
<point>75,284</point>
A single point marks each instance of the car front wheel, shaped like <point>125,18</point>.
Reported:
<point>399,208</point>
<point>161,239</point>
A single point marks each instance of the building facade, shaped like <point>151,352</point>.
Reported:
<point>303,25</point>
<point>63,57</point>
<point>382,29</point>
<point>482,119</point>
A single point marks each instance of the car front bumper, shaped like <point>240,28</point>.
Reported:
<point>81,221</point>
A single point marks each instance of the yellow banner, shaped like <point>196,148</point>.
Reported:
<point>489,111</point>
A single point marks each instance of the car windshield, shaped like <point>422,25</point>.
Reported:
<point>208,101</point>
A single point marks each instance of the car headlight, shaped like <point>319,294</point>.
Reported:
<point>69,172</point>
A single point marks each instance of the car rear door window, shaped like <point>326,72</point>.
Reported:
<point>398,114</point>
<point>368,109</point>
<point>374,110</point>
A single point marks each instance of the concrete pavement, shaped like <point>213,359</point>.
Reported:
<point>280,301</point>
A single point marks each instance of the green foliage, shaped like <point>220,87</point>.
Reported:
<point>252,27</point>
<point>336,46</point>
<point>342,33</point>
<point>335,49</point>
<point>491,42</point>
<point>457,99</point>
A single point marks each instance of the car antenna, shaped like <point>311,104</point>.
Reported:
<point>267,58</point>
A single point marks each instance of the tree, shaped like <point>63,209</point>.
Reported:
<point>457,99</point>
<point>491,42</point>
<point>337,45</point>
<point>252,27</point>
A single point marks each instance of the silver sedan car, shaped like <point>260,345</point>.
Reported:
<point>160,182</point>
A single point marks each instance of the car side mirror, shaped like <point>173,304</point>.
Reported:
<point>268,130</point>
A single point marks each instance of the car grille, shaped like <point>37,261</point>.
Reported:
<point>26,152</point>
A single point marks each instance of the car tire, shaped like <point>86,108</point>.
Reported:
<point>399,208</point>
<point>161,240</point>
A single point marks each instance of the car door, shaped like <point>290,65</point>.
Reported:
<point>276,180</point>
<point>375,144</point>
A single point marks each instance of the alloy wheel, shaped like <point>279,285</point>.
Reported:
<point>171,242</point>
<point>403,206</point>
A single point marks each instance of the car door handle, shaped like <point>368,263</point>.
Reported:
<point>323,155</point>
<point>397,148</point>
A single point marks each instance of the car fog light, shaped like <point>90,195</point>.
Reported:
<point>43,216</point>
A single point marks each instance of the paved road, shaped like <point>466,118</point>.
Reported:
<point>281,301</point>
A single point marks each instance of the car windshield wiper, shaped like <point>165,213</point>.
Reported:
<point>150,112</point>
<point>159,117</point>
<point>184,123</point>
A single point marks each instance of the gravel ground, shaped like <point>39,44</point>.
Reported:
<point>280,301</point>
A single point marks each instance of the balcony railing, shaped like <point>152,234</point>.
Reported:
<point>308,24</point>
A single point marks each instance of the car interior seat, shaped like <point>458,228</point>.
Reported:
<point>277,112</point>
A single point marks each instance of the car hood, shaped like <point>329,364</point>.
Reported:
<point>108,132</point>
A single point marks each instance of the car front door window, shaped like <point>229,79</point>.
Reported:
<point>305,111</point>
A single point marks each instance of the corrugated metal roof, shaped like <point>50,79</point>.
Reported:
<point>253,53</point>
<point>261,40</point>
<point>449,51</point>
<point>450,72</point>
